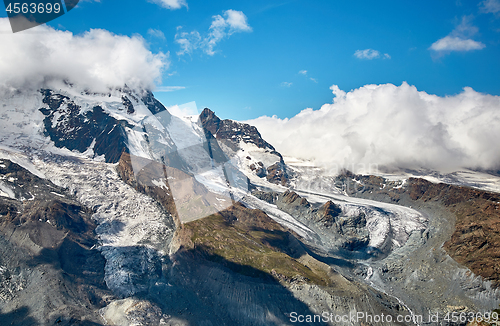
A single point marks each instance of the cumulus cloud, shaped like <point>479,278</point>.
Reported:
<point>460,39</point>
<point>94,60</point>
<point>490,6</point>
<point>171,4</point>
<point>286,84</point>
<point>370,54</point>
<point>221,27</point>
<point>237,21</point>
<point>392,126</point>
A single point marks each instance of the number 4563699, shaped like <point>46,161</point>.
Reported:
<point>33,8</point>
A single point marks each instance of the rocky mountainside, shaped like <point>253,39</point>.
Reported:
<point>475,241</point>
<point>241,136</point>
<point>50,271</point>
<point>114,211</point>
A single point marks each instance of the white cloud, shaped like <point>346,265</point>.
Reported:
<point>156,33</point>
<point>490,6</point>
<point>450,43</point>
<point>393,126</point>
<point>313,79</point>
<point>169,88</point>
<point>286,84</point>
<point>237,21</point>
<point>95,60</point>
<point>234,22</point>
<point>171,4</point>
<point>184,109</point>
<point>460,39</point>
<point>368,54</point>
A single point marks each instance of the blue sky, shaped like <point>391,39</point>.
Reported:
<point>278,58</point>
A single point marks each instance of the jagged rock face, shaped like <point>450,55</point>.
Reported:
<point>328,213</point>
<point>350,231</point>
<point>237,136</point>
<point>233,131</point>
<point>277,174</point>
<point>152,103</point>
<point>259,170</point>
<point>126,103</point>
<point>68,127</point>
<point>210,121</point>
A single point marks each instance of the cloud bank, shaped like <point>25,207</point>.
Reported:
<point>392,126</point>
<point>94,60</point>
<point>234,22</point>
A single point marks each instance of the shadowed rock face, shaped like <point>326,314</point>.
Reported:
<point>69,128</point>
<point>233,131</point>
<point>250,243</point>
<point>46,255</point>
<point>327,214</point>
<point>142,181</point>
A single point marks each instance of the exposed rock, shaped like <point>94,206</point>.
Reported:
<point>126,103</point>
<point>476,240</point>
<point>47,261</point>
<point>269,197</point>
<point>277,174</point>
<point>328,213</point>
<point>233,131</point>
<point>152,103</point>
<point>68,127</point>
<point>259,171</point>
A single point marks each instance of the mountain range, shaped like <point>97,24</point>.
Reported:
<point>113,211</point>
